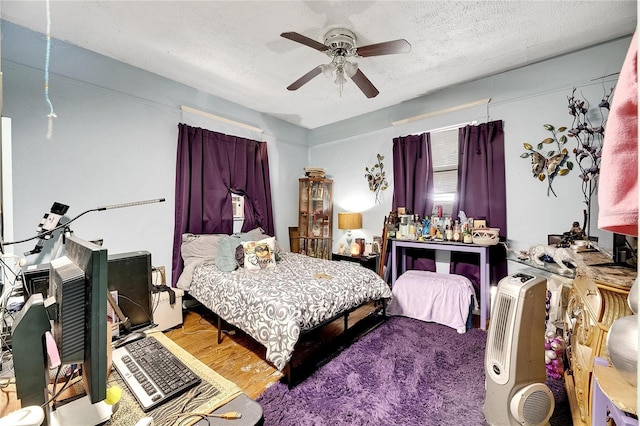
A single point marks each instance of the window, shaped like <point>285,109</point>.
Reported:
<point>444,155</point>
<point>237,203</point>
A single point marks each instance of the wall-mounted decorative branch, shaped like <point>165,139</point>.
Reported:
<point>376,177</point>
<point>547,165</point>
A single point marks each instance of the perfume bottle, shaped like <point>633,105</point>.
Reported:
<point>433,231</point>
<point>417,224</point>
<point>466,234</point>
<point>426,228</point>
<point>457,232</point>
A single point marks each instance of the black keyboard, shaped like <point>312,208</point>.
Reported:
<point>153,374</point>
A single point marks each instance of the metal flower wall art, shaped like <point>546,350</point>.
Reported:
<point>377,177</point>
<point>587,129</point>
<point>546,165</point>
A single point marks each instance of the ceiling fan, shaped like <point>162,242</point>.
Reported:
<point>339,45</point>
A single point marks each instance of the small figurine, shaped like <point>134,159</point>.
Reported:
<point>341,248</point>
<point>576,231</point>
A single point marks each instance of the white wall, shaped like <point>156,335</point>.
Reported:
<point>525,99</point>
<point>114,141</point>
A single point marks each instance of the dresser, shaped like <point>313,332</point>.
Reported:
<point>597,298</point>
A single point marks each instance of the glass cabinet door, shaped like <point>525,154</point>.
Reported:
<point>315,217</point>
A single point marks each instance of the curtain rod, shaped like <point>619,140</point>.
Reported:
<point>454,126</point>
<point>447,128</point>
<point>442,111</point>
<point>218,118</point>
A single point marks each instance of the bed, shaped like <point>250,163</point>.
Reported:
<point>278,302</point>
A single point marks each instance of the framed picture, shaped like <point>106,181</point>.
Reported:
<point>377,243</point>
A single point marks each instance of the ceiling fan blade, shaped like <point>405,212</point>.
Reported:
<point>385,48</point>
<point>365,84</point>
<point>299,38</point>
<point>304,79</point>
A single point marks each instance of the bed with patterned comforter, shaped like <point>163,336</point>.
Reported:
<point>275,305</point>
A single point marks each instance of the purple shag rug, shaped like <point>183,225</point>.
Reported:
<point>405,372</point>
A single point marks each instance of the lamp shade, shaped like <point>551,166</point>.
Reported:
<point>348,220</point>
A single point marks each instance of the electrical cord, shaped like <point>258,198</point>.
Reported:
<point>8,289</point>
<point>191,395</point>
<point>120,295</point>
<point>66,384</point>
<point>97,209</point>
<point>229,415</point>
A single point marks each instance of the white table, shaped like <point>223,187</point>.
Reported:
<point>483,252</point>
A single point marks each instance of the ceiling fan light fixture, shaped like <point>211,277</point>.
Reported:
<point>328,69</point>
<point>340,79</point>
<point>350,68</point>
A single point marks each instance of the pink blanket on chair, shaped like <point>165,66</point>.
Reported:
<point>429,296</point>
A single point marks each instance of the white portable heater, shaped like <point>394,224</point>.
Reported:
<point>515,373</point>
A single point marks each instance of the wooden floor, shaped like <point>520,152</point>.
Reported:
<point>240,358</point>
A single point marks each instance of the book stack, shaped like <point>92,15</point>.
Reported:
<point>314,172</point>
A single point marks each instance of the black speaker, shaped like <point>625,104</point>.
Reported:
<point>130,275</point>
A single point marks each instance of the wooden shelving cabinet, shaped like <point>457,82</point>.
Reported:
<point>593,306</point>
<point>315,216</point>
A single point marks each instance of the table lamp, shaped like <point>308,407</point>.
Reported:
<point>349,221</point>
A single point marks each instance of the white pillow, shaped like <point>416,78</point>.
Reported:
<point>196,247</point>
<point>259,254</point>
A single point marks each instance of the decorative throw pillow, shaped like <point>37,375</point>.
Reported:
<point>259,254</point>
<point>226,259</point>
<point>259,234</point>
<point>240,256</point>
<point>256,234</point>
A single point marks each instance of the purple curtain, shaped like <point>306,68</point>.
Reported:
<point>482,194</point>
<point>210,167</point>
<point>413,186</point>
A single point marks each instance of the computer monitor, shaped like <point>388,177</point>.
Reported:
<point>624,253</point>
<point>78,281</point>
<point>130,277</point>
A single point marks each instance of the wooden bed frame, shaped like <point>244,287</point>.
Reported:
<point>380,311</point>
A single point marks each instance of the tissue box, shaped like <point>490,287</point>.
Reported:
<point>164,314</point>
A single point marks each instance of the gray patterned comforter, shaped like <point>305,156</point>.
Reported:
<point>274,305</point>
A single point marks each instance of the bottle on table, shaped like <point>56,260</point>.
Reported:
<point>457,232</point>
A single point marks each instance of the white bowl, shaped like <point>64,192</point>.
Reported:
<point>485,236</point>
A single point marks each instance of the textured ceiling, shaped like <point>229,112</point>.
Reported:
<point>233,49</point>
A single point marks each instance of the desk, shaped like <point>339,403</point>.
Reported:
<point>251,413</point>
<point>230,398</point>
<point>483,251</point>
<point>128,411</point>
